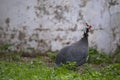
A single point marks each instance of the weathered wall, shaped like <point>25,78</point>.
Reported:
<point>48,25</point>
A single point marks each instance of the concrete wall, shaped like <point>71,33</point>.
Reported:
<point>48,25</point>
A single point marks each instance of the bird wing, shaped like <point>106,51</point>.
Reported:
<point>76,53</point>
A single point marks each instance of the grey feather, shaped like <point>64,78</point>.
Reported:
<point>76,52</point>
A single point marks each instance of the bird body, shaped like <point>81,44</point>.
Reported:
<point>76,52</point>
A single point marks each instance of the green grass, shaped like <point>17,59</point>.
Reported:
<point>37,70</point>
<point>98,67</point>
<point>96,57</point>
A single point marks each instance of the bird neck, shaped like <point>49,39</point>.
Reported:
<point>85,35</point>
<point>84,38</point>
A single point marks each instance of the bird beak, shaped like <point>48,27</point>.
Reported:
<point>89,27</point>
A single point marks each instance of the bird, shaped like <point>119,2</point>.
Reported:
<point>76,52</point>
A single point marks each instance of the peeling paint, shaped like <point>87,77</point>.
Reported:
<point>48,25</point>
<point>28,7</point>
<point>7,21</point>
<point>113,3</point>
<point>83,3</point>
<point>21,35</point>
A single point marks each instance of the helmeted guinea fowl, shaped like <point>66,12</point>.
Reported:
<point>76,52</point>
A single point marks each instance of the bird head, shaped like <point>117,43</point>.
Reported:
<point>87,29</point>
